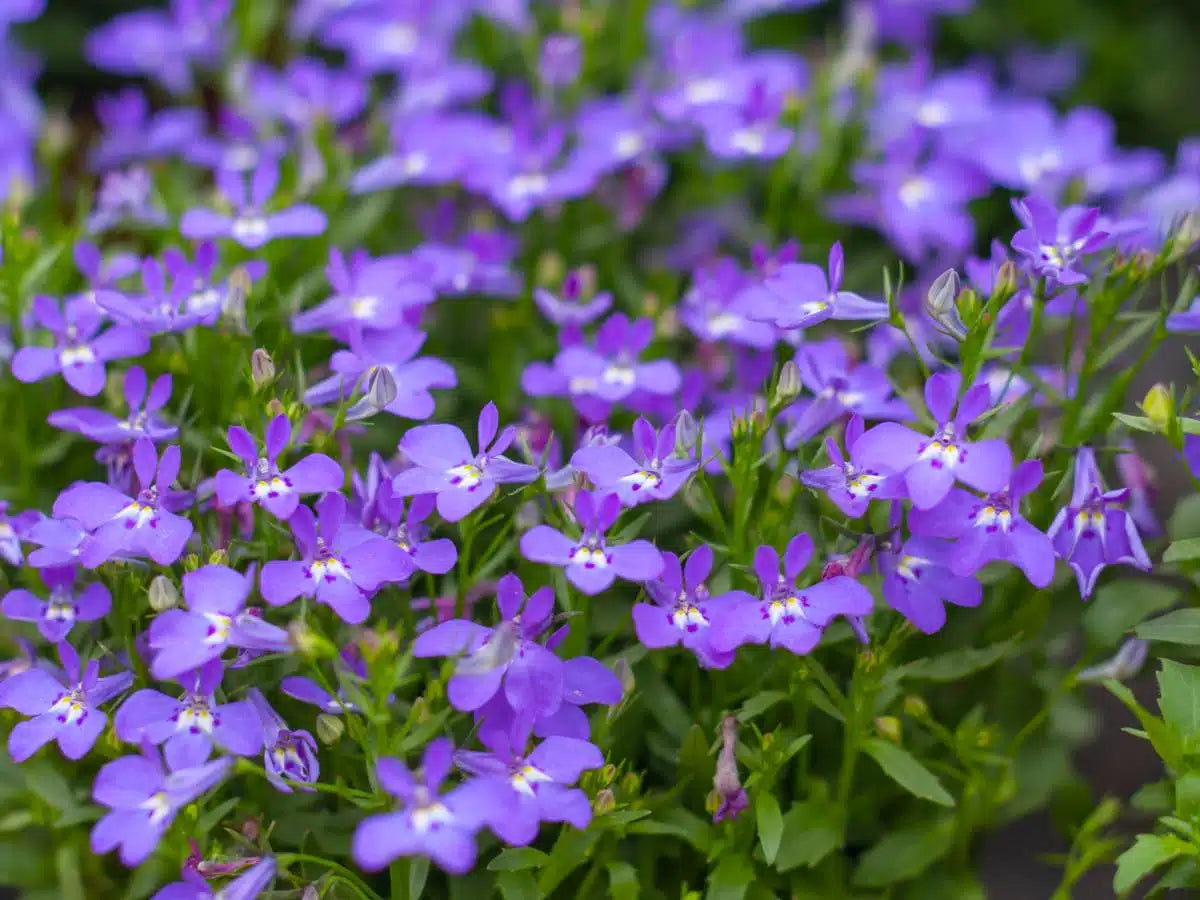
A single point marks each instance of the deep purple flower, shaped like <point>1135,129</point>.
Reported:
<point>185,639</point>
<point>931,464</point>
<point>591,563</point>
<point>79,352</point>
<point>444,464</point>
<point>1191,453</point>
<point>339,566</point>
<point>246,886</point>
<point>851,484</point>
<point>192,724</point>
<point>56,615</point>
<point>656,474</point>
<point>1055,242</point>
<point>163,308</point>
<point>918,580</point>
<point>143,800</point>
<point>66,708</point>
<point>1094,530</point>
<point>507,655</point>
<point>135,526</point>
<point>991,528</point>
<point>142,421</point>
<point>1025,146</point>
<point>276,491</point>
<point>683,609</point>
<point>14,529</point>
<point>1186,322</point>
<point>786,616</point>
<point>799,295</point>
<point>288,754</point>
<point>250,225</point>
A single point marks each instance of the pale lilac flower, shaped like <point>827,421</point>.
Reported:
<point>918,580</point>
<point>799,295</point>
<point>57,615</point>
<point>289,756</point>
<point>142,420</point>
<point>250,225</point>
<point>656,474</point>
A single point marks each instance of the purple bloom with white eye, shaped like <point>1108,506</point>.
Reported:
<point>368,293</point>
<point>506,657</point>
<point>143,800</point>
<point>246,886</point>
<point>14,529</point>
<point>441,826</point>
<point>850,484</point>
<point>480,262</point>
<point>126,198</point>
<point>569,309</point>
<point>250,225</point>
<point>656,474</point>
<point>306,690</point>
<point>932,464</point>
<point>683,609</point>
<point>1055,242</point>
<point>591,563</point>
<point>1095,530</point>
<point>65,709</point>
<point>340,567</point>
<point>786,616</point>
<point>130,526</point>
<point>443,464</point>
<point>404,525</point>
<point>131,132</point>
<point>184,639</point>
<point>288,754</point>
<point>535,784</point>
<point>80,352</point>
<point>840,388</point>
<point>714,310</point>
<point>102,274</point>
<point>613,133</point>
<point>142,421</point>
<point>991,528</point>
<point>749,129</point>
<point>56,615</point>
<point>1025,146</point>
<point>163,308</point>
<point>277,491</point>
<point>799,295</point>
<point>918,579</point>
<point>189,726</point>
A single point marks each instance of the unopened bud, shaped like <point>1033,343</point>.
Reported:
<point>624,673</point>
<point>916,707</point>
<point>310,892</point>
<point>941,307</point>
<point>1127,662</point>
<point>233,304</point>
<point>631,784</point>
<point>984,738</point>
<point>329,728</point>
<point>275,408</point>
<point>262,368</point>
<point>686,433</point>
<point>888,727</point>
<point>1006,279</point>
<point>309,643</point>
<point>787,388</point>
<point>163,594</point>
<point>1157,406</point>
<point>608,773</point>
<point>218,557</point>
<point>380,390</point>
<point>605,802</point>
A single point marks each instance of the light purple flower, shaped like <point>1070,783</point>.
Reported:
<point>126,198</point>
<point>250,225</point>
<point>289,756</point>
<point>65,606</point>
<point>850,484</point>
<point>404,524</point>
<point>715,307</point>
<point>799,295</point>
<point>246,886</point>
<point>656,474</point>
<point>142,421</point>
<point>569,309</point>
<point>918,580</point>
<point>1054,242</point>
<point>369,293</point>
<point>13,529</point>
<point>350,665</point>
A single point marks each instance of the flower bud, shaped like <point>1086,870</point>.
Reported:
<point>329,728</point>
<point>379,391</point>
<point>787,388</point>
<point>1158,407</point>
<point>218,557</point>
<point>163,594</point>
<point>686,433</point>
<point>605,802</point>
<point>310,892</point>
<point>1126,663</point>
<point>888,727</point>
<point>275,408</point>
<point>940,305</point>
<point>262,368</point>
<point>608,773</point>
<point>309,643</point>
<point>1006,279</point>
<point>624,673</point>
<point>915,707</point>
<point>631,783</point>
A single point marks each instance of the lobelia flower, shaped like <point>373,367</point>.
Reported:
<point>1094,530</point>
<point>443,464</point>
<point>134,526</point>
<point>126,198</point>
<point>184,639</point>
<point>189,726</point>
<point>918,580</point>
<point>163,308</point>
<point>288,754</point>
<point>714,308</point>
<point>370,293</point>
<point>731,796</point>
<point>570,309</point>
<point>80,352</point>
<point>535,784</point>
<point>306,690</point>
<point>404,525</point>
<point>276,491</point>
<point>683,609</point>
<point>798,295</point>
<point>1055,242</point>
<point>507,655</point>
<point>749,129</point>
<point>850,484</point>
<point>130,132</point>
<point>930,465</point>
<point>1191,453</point>
<point>57,615</point>
<point>990,528</point>
<point>590,562</point>
<point>785,616</point>
<point>143,799</point>
<point>142,421</point>
<point>64,708</point>
<point>14,529</point>
<point>246,886</point>
<point>340,567</point>
<point>250,225</point>
<point>656,474</point>
<point>100,273</point>
<point>482,262</point>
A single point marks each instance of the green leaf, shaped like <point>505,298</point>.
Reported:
<point>1148,852</point>
<point>810,833</point>
<point>730,878</point>
<point>1179,627</point>
<point>571,850</point>
<point>1188,548</point>
<point>1185,520</point>
<point>1179,697</point>
<point>70,884</point>
<point>213,817</point>
<point>623,881</point>
<point>770,825</point>
<point>1164,740</point>
<point>48,784</point>
<point>904,769</point>
<point>515,859</point>
<point>905,853</point>
<point>418,874</point>
<point>680,823</point>
<point>958,663</point>
<point>517,886</point>
<point>758,704</point>
<point>1121,605</point>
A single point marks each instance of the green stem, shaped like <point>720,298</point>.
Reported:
<point>283,860</point>
<point>398,873</point>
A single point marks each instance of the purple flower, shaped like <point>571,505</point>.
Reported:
<point>1054,242</point>
<point>726,782</point>
<point>748,129</point>
<point>370,293</point>
<point>443,464</point>
<point>308,691</point>
<point>215,619</point>
<point>339,566</point>
<point>786,616</point>
<point>715,308</point>
<point>1186,322</point>
<point>991,528</point>
<point>931,464</point>
<point>105,428</point>
<point>507,655</point>
<point>851,484</point>
<point>571,311</point>
<point>656,474</point>
<point>799,295</point>
<point>143,800</point>
<point>1026,147</point>
<point>132,133</point>
<point>683,609</point>
<point>406,528</point>
<point>1191,453</point>
<point>288,754</point>
<point>591,563</point>
<point>192,724</point>
<point>163,308</point>
<point>276,491</point>
<point>79,352</point>
<point>918,580</point>
<point>56,615</point>
<point>65,709</point>
<point>1094,530</point>
<point>251,226</point>
<point>14,529</point>
<point>441,826</point>
<point>120,524</point>
<point>246,886</point>
<point>126,198</point>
